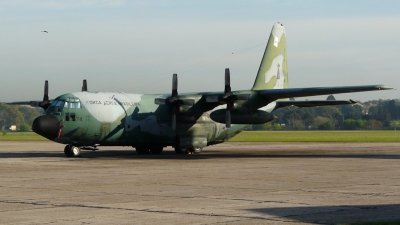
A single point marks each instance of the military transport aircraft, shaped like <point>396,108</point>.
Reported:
<point>188,122</point>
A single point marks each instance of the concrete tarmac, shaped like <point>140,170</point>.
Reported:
<point>230,183</point>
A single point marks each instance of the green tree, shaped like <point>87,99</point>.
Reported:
<point>326,126</point>
<point>24,127</point>
<point>276,126</point>
<point>319,120</point>
<point>373,124</point>
<point>352,124</point>
<point>264,126</point>
<point>333,113</point>
<point>298,125</point>
<point>352,111</point>
<point>10,115</point>
<point>29,113</point>
<point>331,98</point>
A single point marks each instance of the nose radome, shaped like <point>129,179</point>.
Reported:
<point>46,126</point>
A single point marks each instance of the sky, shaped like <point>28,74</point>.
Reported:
<point>136,46</point>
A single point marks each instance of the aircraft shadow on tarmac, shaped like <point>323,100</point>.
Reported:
<point>335,214</point>
<point>212,154</point>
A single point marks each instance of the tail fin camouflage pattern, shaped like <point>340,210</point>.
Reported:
<point>273,72</point>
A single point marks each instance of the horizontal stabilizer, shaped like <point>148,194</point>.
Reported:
<point>281,104</point>
<point>304,92</point>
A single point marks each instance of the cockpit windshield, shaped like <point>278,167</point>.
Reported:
<point>71,103</point>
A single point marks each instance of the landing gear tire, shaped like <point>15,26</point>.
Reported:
<point>196,150</point>
<point>156,150</point>
<point>142,150</point>
<point>72,151</point>
<point>182,151</point>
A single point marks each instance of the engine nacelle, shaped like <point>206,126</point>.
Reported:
<point>253,117</point>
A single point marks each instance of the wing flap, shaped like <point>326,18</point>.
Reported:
<point>281,104</point>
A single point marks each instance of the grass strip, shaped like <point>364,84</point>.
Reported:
<point>21,136</point>
<point>269,136</point>
<point>317,136</point>
<point>374,223</point>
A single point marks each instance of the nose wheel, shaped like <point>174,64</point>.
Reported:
<point>72,151</point>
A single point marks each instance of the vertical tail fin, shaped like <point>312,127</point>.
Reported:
<point>273,72</point>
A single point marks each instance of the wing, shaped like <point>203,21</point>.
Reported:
<point>304,92</point>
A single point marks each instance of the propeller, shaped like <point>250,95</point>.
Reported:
<point>46,102</point>
<point>84,86</point>
<point>174,100</point>
<point>228,97</point>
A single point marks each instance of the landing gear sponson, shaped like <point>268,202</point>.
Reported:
<point>75,151</point>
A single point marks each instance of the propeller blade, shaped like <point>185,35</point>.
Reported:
<point>45,103</point>
<point>227,81</point>
<point>228,118</point>
<point>84,86</point>
<point>173,121</point>
<point>46,91</point>
<point>174,85</point>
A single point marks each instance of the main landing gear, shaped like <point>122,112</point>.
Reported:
<point>189,151</point>
<point>72,151</point>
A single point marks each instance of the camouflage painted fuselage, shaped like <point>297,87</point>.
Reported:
<point>134,120</point>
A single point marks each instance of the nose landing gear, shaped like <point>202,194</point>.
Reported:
<point>72,151</point>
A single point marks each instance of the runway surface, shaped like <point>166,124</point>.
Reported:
<point>230,183</point>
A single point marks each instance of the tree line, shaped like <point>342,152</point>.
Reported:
<point>371,115</point>
<point>21,116</point>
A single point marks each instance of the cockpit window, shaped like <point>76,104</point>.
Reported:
<point>54,103</point>
<point>60,104</point>
<point>73,103</point>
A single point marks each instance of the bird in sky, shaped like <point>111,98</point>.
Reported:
<point>45,31</point>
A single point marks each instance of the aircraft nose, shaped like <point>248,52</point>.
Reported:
<point>47,126</point>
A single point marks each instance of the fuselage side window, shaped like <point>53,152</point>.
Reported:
<point>66,116</point>
<point>72,116</point>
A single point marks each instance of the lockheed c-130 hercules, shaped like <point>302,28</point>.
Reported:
<point>188,122</point>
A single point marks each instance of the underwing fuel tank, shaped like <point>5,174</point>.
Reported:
<point>253,117</point>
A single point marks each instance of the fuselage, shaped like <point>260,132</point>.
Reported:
<point>123,119</point>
